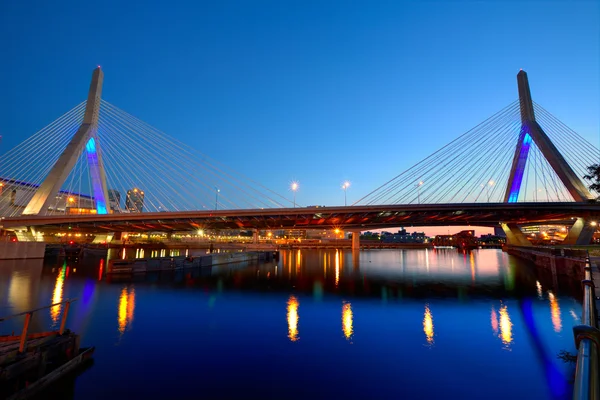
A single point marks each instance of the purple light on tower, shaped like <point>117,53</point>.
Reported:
<point>92,157</point>
<point>518,179</point>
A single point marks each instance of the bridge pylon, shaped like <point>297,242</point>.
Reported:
<point>85,139</point>
<point>531,131</point>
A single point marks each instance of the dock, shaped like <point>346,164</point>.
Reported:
<point>142,265</point>
<point>30,362</point>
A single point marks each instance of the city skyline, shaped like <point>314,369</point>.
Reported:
<point>338,111</point>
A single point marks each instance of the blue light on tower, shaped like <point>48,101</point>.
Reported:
<point>518,178</point>
<point>92,156</point>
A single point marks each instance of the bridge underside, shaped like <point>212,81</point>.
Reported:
<point>349,218</point>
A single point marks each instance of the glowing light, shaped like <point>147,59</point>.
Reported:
<point>555,312</point>
<point>505,326</point>
<point>428,325</point>
<point>58,293</point>
<point>71,199</point>
<point>292,318</point>
<point>294,186</point>
<point>337,230</point>
<point>94,166</point>
<point>521,163</point>
<point>347,320</point>
<point>494,320</point>
<point>346,185</point>
<point>593,223</point>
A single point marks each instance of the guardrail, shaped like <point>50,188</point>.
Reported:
<point>29,314</point>
<point>587,341</point>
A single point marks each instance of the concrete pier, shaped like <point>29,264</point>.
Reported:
<point>21,250</point>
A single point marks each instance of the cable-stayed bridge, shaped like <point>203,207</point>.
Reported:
<point>98,169</point>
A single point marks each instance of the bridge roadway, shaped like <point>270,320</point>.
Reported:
<point>348,218</point>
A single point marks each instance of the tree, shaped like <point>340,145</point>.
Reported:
<point>594,176</point>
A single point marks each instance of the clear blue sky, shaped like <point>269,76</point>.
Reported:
<point>317,91</point>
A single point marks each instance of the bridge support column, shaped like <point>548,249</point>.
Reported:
<point>514,236</point>
<point>255,239</point>
<point>355,241</point>
<point>581,232</point>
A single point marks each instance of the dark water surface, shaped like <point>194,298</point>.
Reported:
<point>413,324</point>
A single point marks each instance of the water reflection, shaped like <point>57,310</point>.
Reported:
<point>57,294</point>
<point>337,267</point>
<point>347,320</point>
<point>538,287</point>
<point>555,312</point>
<point>101,269</point>
<point>472,263</point>
<point>505,327</point>
<point>126,309</point>
<point>292,318</point>
<point>428,325</point>
<point>494,319</point>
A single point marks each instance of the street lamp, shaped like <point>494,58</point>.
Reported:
<point>345,186</point>
<point>217,190</point>
<point>294,188</point>
<point>490,183</point>
<point>418,185</point>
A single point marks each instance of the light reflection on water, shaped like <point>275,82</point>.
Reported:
<point>428,325</point>
<point>555,312</point>
<point>347,320</point>
<point>57,295</point>
<point>396,300</point>
<point>126,308</point>
<point>505,327</point>
<point>292,318</point>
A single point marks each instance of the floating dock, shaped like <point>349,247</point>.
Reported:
<point>30,362</point>
<point>142,265</point>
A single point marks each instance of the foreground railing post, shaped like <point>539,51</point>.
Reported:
<point>63,322</point>
<point>587,341</point>
<point>23,342</point>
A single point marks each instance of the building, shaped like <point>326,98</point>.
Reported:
<point>135,200</point>
<point>114,197</point>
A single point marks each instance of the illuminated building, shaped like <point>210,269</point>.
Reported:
<point>135,200</point>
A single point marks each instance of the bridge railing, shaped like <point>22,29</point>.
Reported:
<point>587,340</point>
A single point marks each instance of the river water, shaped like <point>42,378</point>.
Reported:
<point>413,324</point>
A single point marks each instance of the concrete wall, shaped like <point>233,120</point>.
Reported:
<point>557,264</point>
<point>21,250</point>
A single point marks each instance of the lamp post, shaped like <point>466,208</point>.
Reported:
<point>294,188</point>
<point>490,183</point>
<point>217,190</point>
<point>419,191</point>
<point>345,186</point>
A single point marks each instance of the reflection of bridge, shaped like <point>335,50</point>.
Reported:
<point>101,149</point>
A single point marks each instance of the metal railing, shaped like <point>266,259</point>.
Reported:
<point>29,314</point>
<point>587,340</point>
